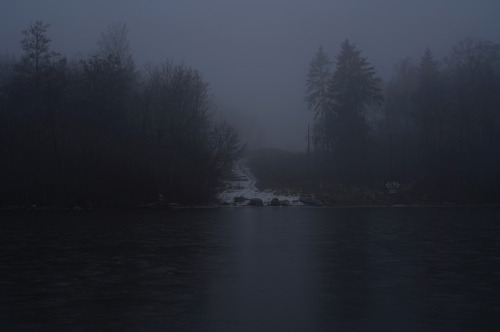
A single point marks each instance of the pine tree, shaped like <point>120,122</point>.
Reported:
<point>317,83</point>
<point>428,88</point>
<point>352,87</point>
<point>428,99</point>
<point>317,96</point>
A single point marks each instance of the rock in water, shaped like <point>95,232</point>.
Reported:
<point>275,202</point>
<point>316,202</point>
<point>285,202</point>
<point>308,200</point>
<point>305,199</point>
<point>239,199</point>
<point>256,202</point>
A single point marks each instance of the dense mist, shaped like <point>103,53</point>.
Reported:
<point>121,103</point>
<point>249,165</point>
<point>255,55</point>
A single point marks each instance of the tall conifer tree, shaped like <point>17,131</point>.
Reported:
<point>352,87</point>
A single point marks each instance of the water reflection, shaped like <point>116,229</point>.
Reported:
<point>266,280</point>
<point>247,269</point>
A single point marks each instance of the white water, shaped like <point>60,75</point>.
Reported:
<point>243,185</point>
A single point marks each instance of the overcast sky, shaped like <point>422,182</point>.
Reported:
<point>255,54</point>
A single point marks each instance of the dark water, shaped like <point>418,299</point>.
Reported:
<point>251,269</point>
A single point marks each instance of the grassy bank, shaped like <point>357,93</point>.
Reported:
<point>297,173</point>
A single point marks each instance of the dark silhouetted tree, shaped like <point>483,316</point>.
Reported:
<point>398,130</point>
<point>114,44</point>
<point>190,152</point>
<point>432,115</point>
<point>473,69</point>
<point>352,87</point>
<point>35,98</point>
<point>317,97</point>
<point>226,147</point>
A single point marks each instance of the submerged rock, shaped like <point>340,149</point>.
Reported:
<point>256,202</point>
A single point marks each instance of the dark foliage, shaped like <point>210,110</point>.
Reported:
<point>93,133</point>
<point>436,131</point>
<point>340,101</point>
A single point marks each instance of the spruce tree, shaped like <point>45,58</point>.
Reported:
<point>317,83</point>
<point>352,87</point>
<point>429,102</point>
<point>317,98</point>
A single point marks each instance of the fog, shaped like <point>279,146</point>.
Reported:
<point>255,54</point>
<point>155,159</point>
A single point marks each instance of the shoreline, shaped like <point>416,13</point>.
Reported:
<point>225,206</point>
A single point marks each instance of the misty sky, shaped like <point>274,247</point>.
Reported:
<point>255,54</point>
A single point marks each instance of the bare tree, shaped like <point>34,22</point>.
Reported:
<point>36,46</point>
<point>114,44</point>
<point>226,146</point>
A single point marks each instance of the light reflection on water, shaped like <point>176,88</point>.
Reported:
<point>249,269</point>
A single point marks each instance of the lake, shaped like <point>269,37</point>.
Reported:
<point>251,269</point>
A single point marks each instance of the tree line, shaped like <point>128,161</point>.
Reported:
<point>97,131</point>
<point>434,126</point>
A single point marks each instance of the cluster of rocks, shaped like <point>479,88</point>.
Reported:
<point>240,200</point>
<point>256,202</point>
<point>277,202</point>
<point>305,200</point>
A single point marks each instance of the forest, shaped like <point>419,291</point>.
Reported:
<point>433,128</point>
<point>98,132</point>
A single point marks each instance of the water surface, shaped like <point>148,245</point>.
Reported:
<point>251,269</point>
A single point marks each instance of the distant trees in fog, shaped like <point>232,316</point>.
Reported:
<point>437,128</point>
<point>98,131</point>
<point>339,100</point>
<point>318,99</point>
<point>454,118</point>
